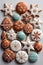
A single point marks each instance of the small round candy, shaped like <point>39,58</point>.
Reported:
<point>3,35</point>
<point>15,45</point>
<point>8,55</point>
<point>36,35</point>
<point>33,57</point>
<point>21,56</point>
<point>21,36</point>
<point>11,34</point>
<point>18,25</point>
<point>28,28</point>
<point>38,46</point>
<point>21,8</point>
<point>5,43</point>
<point>16,17</point>
<point>7,24</point>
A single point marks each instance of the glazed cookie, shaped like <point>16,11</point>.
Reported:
<point>21,8</point>
<point>3,35</point>
<point>5,43</point>
<point>21,56</point>
<point>36,34</point>
<point>6,24</point>
<point>16,16</point>
<point>8,55</point>
<point>28,28</point>
<point>38,46</point>
<point>21,36</point>
<point>18,25</point>
<point>15,45</point>
<point>11,34</point>
<point>33,57</point>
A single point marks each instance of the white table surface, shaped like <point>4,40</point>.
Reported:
<point>14,2</point>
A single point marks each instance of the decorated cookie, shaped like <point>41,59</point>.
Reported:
<point>28,45</point>
<point>21,36</point>
<point>36,23</point>
<point>34,9</point>
<point>5,43</point>
<point>6,24</point>
<point>18,25</point>
<point>36,34</point>
<point>8,9</point>
<point>11,34</point>
<point>8,55</point>
<point>21,8</point>
<point>33,57</point>
<point>21,56</point>
<point>28,28</point>
<point>3,35</point>
<point>38,46</point>
<point>16,16</point>
<point>15,45</point>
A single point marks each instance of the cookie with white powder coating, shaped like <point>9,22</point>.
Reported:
<point>21,57</point>
<point>15,45</point>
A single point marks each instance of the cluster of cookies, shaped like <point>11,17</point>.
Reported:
<point>21,33</point>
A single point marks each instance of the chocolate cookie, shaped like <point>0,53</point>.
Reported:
<point>18,25</point>
<point>28,28</point>
<point>8,55</point>
<point>5,44</point>
<point>38,46</point>
<point>21,8</point>
<point>6,24</point>
<point>3,35</point>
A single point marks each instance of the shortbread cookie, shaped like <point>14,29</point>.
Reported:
<point>11,34</point>
<point>21,56</point>
<point>8,9</point>
<point>36,34</point>
<point>15,45</point>
<point>7,24</point>
<point>8,55</point>
<point>21,8</point>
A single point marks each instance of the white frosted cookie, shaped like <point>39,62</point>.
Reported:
<point>15,45</point>
<point>11,34</point>
<point>21,56</point>
<point>36,34</point>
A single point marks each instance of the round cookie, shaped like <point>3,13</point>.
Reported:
<point>28,28</point>
<point>8,55</point>
<point>33,57</point>
<point>16,16</point>
<point>38,46</point>
<point>11,34</point>
<point>21,36</point>
<point>15,45</point>
<point>6,24</point>
<point>36,34</point>
<point>21,8</point>
<point>18,25</point>
<point>5,43</point>
<point>3,35</point>
<point>21,56</point>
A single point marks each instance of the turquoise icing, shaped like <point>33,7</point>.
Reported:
<point>33,57</point>
<point>21,35</point>
<point>16,16</point>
